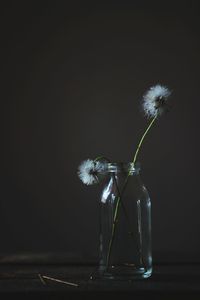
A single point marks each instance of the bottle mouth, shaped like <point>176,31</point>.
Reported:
<point>124,167</point>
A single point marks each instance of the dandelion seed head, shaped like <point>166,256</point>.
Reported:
<point>155,100</point>
<point>89,170</point>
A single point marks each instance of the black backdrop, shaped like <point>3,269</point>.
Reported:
<point>73,76</point>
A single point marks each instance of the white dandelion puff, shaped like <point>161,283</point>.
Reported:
<point>155,100</point>
<point>89,171</point>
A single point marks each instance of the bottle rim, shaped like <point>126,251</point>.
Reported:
<point>124,167</point>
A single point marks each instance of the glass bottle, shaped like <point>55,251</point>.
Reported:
<point>125,225</point>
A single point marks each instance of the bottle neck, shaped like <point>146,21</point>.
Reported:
<point>124,168</point>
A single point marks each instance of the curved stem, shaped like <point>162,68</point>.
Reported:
<point>123,207</point>
<point>142,139</point>
<point>119,200</point>
<point>112,233</point>
<point>101,157</point>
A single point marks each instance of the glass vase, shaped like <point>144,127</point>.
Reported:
<point>125,225</point>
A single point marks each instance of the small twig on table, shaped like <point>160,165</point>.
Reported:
<point>42,277</point>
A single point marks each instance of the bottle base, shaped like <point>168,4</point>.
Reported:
<point>125,273</point>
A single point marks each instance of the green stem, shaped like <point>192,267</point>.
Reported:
<point>123,207</point>
<point>102,157</point>
<point>119,200</point>
<point>113,232</point>
<point>142,139</point>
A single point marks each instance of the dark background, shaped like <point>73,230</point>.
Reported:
<point>73,76</point>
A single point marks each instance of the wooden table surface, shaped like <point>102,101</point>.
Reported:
<point>168,280</point>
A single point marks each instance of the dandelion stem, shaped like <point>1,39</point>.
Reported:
<point>101,157</point>
<point>119,200</point>
<point>122,204</point>
<point>142,139</point>
<point>113,231</point>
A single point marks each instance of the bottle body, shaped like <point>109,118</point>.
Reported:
<point>125,226</point>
